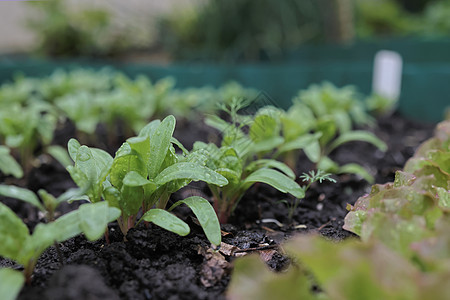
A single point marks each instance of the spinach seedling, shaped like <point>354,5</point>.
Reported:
<point>143,174</point>
<point>25,248</point>
<point>237,160</point>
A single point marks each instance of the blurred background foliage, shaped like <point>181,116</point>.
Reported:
<point>238,30</point>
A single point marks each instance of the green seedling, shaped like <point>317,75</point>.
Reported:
<point>25,248</point>
<point>143,174</point>
<point>8,165</point>
<point>309,178</point>
<point>237,160</point>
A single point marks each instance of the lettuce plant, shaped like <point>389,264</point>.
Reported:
<point>143,174</point>
<point>347,270</point>
<point>25,248</point>
<point>418,198</point>
<point>237,160</point>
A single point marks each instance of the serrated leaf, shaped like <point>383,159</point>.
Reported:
<point>277,180</point>
<point>167,221</point>
<point>11,282</point>
<point>94,218</point>
<point>191,171</point>
<point>22,194</point>
<point>206,216</point>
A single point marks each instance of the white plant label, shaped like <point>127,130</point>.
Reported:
<point>387,74</point>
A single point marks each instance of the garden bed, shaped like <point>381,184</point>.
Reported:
<point>157,264</point>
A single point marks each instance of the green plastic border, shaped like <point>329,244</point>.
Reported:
<point>425,85</point>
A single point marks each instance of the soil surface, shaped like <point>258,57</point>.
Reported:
<point>156,264</point>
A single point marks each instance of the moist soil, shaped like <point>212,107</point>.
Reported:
<point>157,264</point>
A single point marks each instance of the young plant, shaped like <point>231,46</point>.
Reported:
<point>25,248</point>
<point>236,159</point>
<point>310,178</point>
<point>143,174</point>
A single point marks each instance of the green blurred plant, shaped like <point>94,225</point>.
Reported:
<point>65,32</point>
<point>25,248</point>
<point>241,29</point>
<point>25,128</point>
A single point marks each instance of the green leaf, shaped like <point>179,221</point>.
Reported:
<point>167,221</point>
<point>300,142</point>
<point>112,196</point>
<point>60,154</point>
<point>72,146</point>
<point>149,128</point>
<point>160,141</point>
<point>313,151</point>
<point>124,164</point>
<point>8,165</point>
<point>272,164</point>
<point>191,171</point>
<point>11,282</point>
<point>356,169</point>
<point>357,135</point>
<point>94,218</point>
<point>14,234</point>
<point>206,217</point>
<point>22,194</point>
<point>135,179</point>
<point>277,180</point>
<point>327,164</point>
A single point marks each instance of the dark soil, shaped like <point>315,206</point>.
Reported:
<point>156,264</point>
